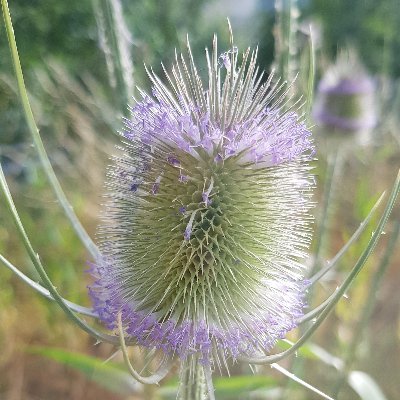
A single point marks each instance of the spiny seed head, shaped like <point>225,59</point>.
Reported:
<point>207,214</point>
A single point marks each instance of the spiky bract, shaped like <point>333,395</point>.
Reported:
<point>207,214</point>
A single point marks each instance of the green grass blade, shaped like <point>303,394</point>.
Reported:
<point>108,375</point>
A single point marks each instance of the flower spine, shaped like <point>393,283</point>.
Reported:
<point>207,214</point>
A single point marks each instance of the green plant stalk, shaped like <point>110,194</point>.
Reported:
<point>285,38</point>
<point>193,382</point>
<point>122,88</point>
<point>68,209</point>
<point>343,288</point>
<point>350,355</point>
<point>311,77</point>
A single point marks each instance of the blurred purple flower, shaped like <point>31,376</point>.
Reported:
<point>345,98</point>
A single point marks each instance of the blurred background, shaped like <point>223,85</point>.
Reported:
<point>82,60</point>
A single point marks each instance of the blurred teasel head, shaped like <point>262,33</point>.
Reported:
<point>346,96</point>
<point>207,221</point>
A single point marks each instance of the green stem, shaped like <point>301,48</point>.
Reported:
<point>331,264</point>
<point>286,54</point>
<point>119,46</point>
<point>68,210</point>
<point>74,307</point>
<point>311,78</point>
<point>193,384</point>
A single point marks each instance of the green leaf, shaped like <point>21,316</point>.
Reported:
<point>236,385</point>
<point>109,375</point>
<point>365,386</point>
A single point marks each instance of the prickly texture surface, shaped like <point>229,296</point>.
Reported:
<point>206,219</point>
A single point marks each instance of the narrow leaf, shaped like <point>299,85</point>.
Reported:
<point>109,375</point>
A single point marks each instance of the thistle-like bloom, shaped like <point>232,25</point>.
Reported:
<point>345,98</point>
<point>207,218</point>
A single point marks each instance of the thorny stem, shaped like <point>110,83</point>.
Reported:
<point>193,384</point>
<point>74,307</point>
<point>333,261</point>
<point>297,363</point>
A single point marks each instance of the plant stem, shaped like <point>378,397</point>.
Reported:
<point>193,383</point>
<point>116,47</point>
<point>286,54</point>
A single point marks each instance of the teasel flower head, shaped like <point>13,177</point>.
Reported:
<point>207,219</point>
<point>346,96</point>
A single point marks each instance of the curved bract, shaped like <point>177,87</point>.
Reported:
<point>206,218</point>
